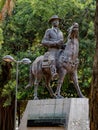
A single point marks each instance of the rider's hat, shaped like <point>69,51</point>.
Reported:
<point>53,18</point>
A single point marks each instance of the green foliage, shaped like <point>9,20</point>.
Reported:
<point>1,37</point>
<point>2,4</point>
<point>7,92</point>
<point>23,32</point>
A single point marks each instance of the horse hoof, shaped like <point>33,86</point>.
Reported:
<point>54,96</point>
<point>59,97</point>
<point>82,96</point>
<point>35,98</point>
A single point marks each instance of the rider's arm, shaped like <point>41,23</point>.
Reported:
<point>61,41</point>
<point>46,40</point>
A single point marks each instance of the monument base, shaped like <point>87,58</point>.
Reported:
<point>45,128</point>
<point>56,114</point>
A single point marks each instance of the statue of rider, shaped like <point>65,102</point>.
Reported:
<point>53,40</point>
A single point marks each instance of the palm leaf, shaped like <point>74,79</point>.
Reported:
<point>2,2</point>
<point>6,8</point>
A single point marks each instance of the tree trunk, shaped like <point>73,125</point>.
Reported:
<point>94,85</point>
<point>7,114</point>
<point>6,8</point>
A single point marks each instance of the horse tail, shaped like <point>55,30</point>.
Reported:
<point>31,78</point>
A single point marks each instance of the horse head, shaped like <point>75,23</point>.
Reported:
<point>69,55</point>
<point>73,31</point>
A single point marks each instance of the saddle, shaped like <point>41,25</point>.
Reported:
<point>45,62</point>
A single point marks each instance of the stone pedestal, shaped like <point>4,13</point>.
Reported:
<point>56,114</point>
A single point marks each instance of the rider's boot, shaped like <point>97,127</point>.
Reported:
<point>53,72</point>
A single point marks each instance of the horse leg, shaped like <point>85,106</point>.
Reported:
<point>31,78</point>
<point>60,82</point>
<point>74,77</point>
<point>36,83</point>
<point>47,78</point>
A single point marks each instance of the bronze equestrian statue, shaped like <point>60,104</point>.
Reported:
<point>66,62</point>
<point>53,40</point>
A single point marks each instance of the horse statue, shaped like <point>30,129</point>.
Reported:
<point>67,62</point>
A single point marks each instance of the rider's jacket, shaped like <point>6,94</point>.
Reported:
<point>53,38</point>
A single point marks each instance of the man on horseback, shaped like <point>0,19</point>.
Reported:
<point>59,64</point>
<point>53,40</point>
